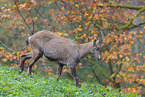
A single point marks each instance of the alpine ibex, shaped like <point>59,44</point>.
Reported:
<point>61,50</point>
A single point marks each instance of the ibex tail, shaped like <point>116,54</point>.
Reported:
<point>26,41</point>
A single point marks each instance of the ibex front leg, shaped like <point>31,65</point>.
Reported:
<point>74,73</point>
<point>59,71</point>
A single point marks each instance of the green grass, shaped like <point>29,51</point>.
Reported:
<point>23,85</point>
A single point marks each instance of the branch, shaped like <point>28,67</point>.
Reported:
<point>95,74</point>
<point>101,71</point>
<point>65,14</point>
<point>44,16</point>
<point>5,46</point>
<point>22,16</point>
<point>139,84</point>
<point>132,18</point>
<point>126,27</point>
<point>97,26</point>
<point>32,32</point>
<point>110,67</point>
<point>101,93</point>
<point>134,26</point>
<point>122,6</point>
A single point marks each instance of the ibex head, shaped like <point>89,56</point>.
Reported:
<point>98,46</point>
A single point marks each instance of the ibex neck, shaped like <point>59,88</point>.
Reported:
<point>84,49</point>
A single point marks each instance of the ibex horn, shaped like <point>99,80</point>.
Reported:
<point>101,37</point>
<point>94,43</point>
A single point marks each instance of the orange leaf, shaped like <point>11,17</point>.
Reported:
<point>142,76</point>
<point>80,64</point>
<point>127,59</point>
<point>120,55</point>
<point>41,23</point>
<point>144,56</point>
<point>78,67</point>
<point>14,6</point>
<point>15,0</point>
<point>65,70</point>
<point>139,61</point>
<point>35,66</point>
<point>88,75</point>
<point>68,11</point>
<point>125,78</point>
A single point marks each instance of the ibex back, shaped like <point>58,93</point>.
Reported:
<point>61,50</point>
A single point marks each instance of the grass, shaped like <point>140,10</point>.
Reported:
<point>23,85</point>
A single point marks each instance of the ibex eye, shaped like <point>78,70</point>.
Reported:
<point>98,49</point>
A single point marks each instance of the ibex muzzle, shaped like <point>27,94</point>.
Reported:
<point>97,52</point>
<point>61,50</point>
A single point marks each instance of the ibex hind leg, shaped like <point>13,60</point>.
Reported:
<point>34,58</point>
<point>59,71</point>
<point>22,61</point>
<point>74,73</point>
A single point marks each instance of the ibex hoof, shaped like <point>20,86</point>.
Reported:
<point>20,71</point>
<point>78,86</point>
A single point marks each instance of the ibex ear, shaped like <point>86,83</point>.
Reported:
<point>94,42</point>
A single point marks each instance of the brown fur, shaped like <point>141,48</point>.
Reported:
<point>61,50</point>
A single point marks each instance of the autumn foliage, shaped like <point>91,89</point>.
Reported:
<point>122,22</point>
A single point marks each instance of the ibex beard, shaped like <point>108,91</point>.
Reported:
<point>61,50</point>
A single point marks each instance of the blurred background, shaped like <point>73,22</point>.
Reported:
<point>121,21</point>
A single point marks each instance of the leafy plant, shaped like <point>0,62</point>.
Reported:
<point>14,84</point>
